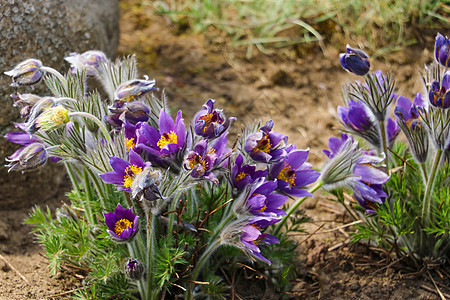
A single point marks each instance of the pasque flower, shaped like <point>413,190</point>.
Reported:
<point>52,118</point>
<point>442,50</point>
<point>408,118</point>
<point>88,61</point>
<point>209,122</point>
<point>28,158</point>
<point>25,102</point>
<point>202,160</point>
<point>368,189</point>
<point>124,172</point>
<point>133,89</point>
<point>159,145</point>
<point>357,120</point>
<point>132,112</point>
<point>266,145</point>
<point>26,73</point>
<point>252,237</point>
<point>440,95</point>
<point>122,224</point>
<point>294,173</point>
<point>355,61</point>
<point>262,201</point>
<point>244,175</point>
<point>134,269</point>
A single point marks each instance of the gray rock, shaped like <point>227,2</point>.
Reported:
<point>47,30</point>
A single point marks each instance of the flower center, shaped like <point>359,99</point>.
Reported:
<point>241,175</point>
<point>195,160</point>
<point>167,138</point>
<point>264,144</point>
<point>287,174</point>
<point>210,118</point>
<point>121,225</point>
<point>130,171</point>
<point>129,143</point>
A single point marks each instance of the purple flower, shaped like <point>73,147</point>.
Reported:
<point>263,202</point>
<point>88,61</point>
<point>355,61</point>
<point>352,167</point>
<point>124,172</point>
<point>202,160</point>
<point>252,237</point>
<point>335,145</point>
<point>392,130</point>
<point>442,50</point>
<point>293,174</point>
<point>130,135</point>
<point>26,73</point>
<point>134,269</point>
<point>440,95</point>
<point>160,145</point>
<point>25,102</point>
<point>266,145</point>
<point>132,112</point>
<point>28,158</point>
<point>243,175</point>
<point>357,120</point>
<point>25,139</point>
<point>133,89</point>
<point>408,118</point>
<point>209,122</point>
<point>122,224</point>
<point>368,190</point>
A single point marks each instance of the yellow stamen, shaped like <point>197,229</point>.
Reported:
<point>264,144</point>
<point>210,118</point>
<point>195,160</point>
<point>212,151</point>
<point>129,143</point>
<point>121,225</point>
<point>287,174</point>
<point>240,176</point>
<point>167,138</point>
<point>263,209</point>
<point>130,171</point>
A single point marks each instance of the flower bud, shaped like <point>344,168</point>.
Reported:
<point>442,50</point>
<point>26,73</point>
<point>133,89</point>
<point>52,118</point>
<point>28,158</point>
<point>134,269</point>
<point>88,61</point>
<point>355,61</point>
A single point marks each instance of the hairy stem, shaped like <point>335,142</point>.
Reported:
<point>55,73</point>
<point>384,143</point>
<point>426,208</point>
<point>96,120</point>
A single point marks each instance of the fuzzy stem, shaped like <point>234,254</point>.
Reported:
<point>424,171</point>
<point>96,120</point>
<point>294,207</point>
<point>72,177</point>
<point>55,73</point>
<point>426,208</point>
<point>384,143</point>
<point>90,198</point>
<point>152,293</point>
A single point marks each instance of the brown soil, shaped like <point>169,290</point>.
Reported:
<point>301,94</point>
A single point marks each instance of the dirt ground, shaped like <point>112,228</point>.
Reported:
<point>300,91</point>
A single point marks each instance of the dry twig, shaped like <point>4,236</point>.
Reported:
<point>14,269</point>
